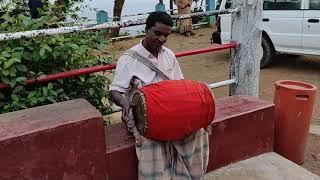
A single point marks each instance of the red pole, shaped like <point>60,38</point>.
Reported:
<point>67,74</point>
<point>89,70</point>
<point>205,50</point>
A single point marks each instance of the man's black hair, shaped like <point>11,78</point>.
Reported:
<point>159,16</point>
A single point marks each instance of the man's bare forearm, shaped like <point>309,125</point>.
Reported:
<point>117,97</point>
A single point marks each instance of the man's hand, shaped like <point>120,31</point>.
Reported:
<point>123,102</point>
<point>126,106</point>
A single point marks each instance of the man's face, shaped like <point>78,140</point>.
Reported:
<point>157,35</point>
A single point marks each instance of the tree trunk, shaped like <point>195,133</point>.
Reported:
<point>117,9</point>
<point>245,59</point>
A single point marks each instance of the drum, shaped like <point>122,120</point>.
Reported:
<point>172,109</point>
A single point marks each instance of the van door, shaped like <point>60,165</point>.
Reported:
<point>282,20</point>
<point>311,28</point>
<point>225,22</point>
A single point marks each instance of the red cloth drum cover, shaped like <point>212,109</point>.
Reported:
<point>177,108</point>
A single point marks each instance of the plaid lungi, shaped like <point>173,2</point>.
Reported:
<point>185,159</point>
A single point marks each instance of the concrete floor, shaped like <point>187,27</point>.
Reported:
<point>315,129</point>
<point>269,166</point>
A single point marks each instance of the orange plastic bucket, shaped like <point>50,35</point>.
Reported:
<point>294,104</point>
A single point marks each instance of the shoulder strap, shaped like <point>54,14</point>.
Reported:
<point>146,62</point>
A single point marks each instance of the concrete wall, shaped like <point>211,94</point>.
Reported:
<point>63,141</point>
<point>243,128</point>
<point>68,140</point>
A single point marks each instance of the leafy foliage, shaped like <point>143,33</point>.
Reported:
<point>27,58</point>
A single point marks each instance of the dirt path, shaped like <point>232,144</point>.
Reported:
<point>312,156</point>
<point>213,67</point>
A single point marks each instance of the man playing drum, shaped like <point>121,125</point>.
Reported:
<point>185,159</point>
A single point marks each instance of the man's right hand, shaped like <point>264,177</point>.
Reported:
<point>121,101</point>
<point>126,106</point>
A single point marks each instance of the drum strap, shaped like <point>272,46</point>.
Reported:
<point>146,62</point>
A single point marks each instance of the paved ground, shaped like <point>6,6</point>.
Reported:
<point>315,129</point>
<point>268,166</point>
<point>312,154</point>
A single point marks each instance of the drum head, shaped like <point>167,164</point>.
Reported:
<point>139,112</point>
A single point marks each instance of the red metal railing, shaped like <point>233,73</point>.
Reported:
<point>67,74</point>
<point>205,50</point>
<point>89,70</point>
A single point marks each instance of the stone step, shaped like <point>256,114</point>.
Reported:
<point>268,166</point>
<point>315,129</point>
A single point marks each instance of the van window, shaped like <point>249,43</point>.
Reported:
<point>314,4</point>
<point>282,4</point>
<point>227,5</point>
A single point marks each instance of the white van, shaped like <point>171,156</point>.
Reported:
<point>289,26</point>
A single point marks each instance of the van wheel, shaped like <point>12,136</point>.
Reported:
<point>268,52</point>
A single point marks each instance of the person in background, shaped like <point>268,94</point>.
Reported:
<point>160,6</point>
<point>34,6</point>
<point>184,25</point>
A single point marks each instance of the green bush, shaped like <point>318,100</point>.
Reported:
<point>27,58</point>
